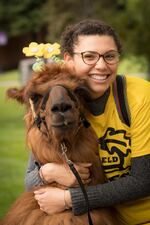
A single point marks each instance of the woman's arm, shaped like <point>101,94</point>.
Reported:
<point>32,176</point>
<point>52,172</point>
<point>134,186</point>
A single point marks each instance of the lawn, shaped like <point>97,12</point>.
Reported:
<point>13,152</point>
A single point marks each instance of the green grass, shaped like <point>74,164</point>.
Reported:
<point>13,152</point>
<point>9,76</point>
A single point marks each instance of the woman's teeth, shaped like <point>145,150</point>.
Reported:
<point>97,77</point>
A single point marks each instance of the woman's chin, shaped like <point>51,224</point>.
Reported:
<point>98,90</point>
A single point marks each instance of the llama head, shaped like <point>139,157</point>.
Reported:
<point>55,108</point>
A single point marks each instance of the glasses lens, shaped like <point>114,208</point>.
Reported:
<point>111,57</point>
<point>90,58</point>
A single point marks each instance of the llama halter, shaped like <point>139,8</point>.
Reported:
<point>41,52</point>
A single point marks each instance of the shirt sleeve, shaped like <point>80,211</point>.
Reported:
<point>132,187</point>
<point>32,177</point>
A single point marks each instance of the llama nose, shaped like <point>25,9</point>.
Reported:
<point>61,107</point>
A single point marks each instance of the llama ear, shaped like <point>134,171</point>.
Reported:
<point>83,92</point>
<point>17,94</point>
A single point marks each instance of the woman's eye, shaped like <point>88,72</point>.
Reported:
<point>109,57</point>
<point>89,56</point>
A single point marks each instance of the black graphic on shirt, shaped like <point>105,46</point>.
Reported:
<point>118,146</point>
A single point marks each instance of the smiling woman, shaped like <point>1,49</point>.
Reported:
<point>123,149</point>
<point>99,68</point>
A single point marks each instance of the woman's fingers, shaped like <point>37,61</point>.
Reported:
<point>84,176</point>
<point>40,191</point>
<point>62,174</point>
<point>86,181</point>
<point>83,168</point>
<point>84,164</point>
<point>84,172</point>
<point>51,201</point>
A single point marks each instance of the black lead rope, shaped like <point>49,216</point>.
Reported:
<point>76,174</point>
<point>73,169</point>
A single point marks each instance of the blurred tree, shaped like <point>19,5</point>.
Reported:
<point>18,17</point>
<point>129,17</point>
<point>59,14</point>
<point>139,28</point>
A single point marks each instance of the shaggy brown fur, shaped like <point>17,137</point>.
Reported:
<point>45,144</point>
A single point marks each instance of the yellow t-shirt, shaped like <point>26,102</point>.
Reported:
<point>119,143</point>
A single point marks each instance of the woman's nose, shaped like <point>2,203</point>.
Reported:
<point>101,63</point>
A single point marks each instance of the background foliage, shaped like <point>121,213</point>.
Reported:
<point>20,16</point>
<point>129,17</point>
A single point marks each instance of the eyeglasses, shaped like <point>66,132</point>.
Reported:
<point>91,57</point>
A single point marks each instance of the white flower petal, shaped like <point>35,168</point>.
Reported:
<point>34,50</point>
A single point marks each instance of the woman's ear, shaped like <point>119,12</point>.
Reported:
<point>69,61</point>
<point>67,57</point>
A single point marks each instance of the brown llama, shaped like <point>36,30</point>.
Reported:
<point>54,116</point>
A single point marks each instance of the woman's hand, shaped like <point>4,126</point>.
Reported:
<point>53,200</point>
<point>59,173</point>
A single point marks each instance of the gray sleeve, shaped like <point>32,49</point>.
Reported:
<point>134,186</point>
<point>32,177</point>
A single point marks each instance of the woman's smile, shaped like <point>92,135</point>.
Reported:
<point>100,74</point>
<point>99,78</point>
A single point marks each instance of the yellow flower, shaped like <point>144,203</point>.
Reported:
<point>51,50</point>
<point>34,49</point>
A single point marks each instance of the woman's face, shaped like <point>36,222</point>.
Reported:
<point>100,75</point>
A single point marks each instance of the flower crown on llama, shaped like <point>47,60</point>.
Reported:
<point>41,52</point>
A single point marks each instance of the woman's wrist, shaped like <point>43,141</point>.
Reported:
<point>67,199</point>
<point>46,173</point>
<point>42,175</point>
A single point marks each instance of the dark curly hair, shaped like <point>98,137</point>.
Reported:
<point>86,27</point>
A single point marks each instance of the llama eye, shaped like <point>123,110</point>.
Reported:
<point>35,97</point>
